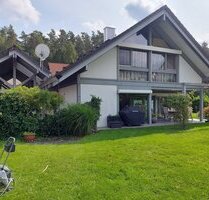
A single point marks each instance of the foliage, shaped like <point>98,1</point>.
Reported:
<point>195,97</point>
<point>64,47</point>
<point>28,133</point>
<point>95,103</point>
<point>206,112</point>
<point>145,163</point>
<point>181,104</point>
<point>22,108</point>
<point>39,100</point>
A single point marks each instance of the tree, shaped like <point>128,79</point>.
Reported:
<point>70,54</point>
<point>97,38</point>
<point>181,104</point>
<point>8,37</point>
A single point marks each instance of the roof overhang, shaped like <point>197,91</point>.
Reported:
<point>126,91</point>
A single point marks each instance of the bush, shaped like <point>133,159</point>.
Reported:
<point>76,120</point>
<point>95,103</point>
<point>195,97</point>
<point>181,104</point>
<point>22,108</point>
<point>206,112</point>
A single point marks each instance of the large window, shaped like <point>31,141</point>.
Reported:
<point>139,59</point>
<point>124,57</point>
<point>158,61</point>
<point>137,39</point>
<point>134,66</point>
<point>171,61</point>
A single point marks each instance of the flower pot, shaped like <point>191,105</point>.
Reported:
<point>29,138</point>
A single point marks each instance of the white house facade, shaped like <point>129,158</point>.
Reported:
<point>154,58</point>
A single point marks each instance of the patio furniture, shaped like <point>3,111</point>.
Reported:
<point>132,116</point>
<point>114,121</point>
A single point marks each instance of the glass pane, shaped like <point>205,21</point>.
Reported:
<point>139,59</point>
<point>124,57</point>
<point>158,61</point>
<point>133,75</point>
<point>171,61</point>
<point>158,41</point>
<point>137,39</point>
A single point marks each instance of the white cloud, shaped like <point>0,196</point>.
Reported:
<point>19,10</point>
<point>94,25</point>
<point>149,5</point>
<point>138,9</point>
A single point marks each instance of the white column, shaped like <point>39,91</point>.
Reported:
<point>184,91</point>
<point>150,108</point>
<point>201,104</point>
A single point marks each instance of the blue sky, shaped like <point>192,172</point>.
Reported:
<point>80,15</point>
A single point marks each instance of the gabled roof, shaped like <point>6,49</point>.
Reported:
<point>10,52</point>
<point>109,44</point>
<point>57,67</point>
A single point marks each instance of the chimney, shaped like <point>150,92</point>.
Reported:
<point>109,33</point>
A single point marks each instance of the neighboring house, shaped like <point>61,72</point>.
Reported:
<point>18,68</point>
<point>56,67</point>
<point>152,59</point>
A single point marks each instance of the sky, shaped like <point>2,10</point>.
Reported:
<point>91,15</point>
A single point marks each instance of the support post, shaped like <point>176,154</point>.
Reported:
<point>184,90</point>
<point>156,105</point>
<point>150,66</point>
<point>150,36</point>
<point>201,104</point>
<point>14,70</point>
<point>150,108</point>
<point>78,89</point>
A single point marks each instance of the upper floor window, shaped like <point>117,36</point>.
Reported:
<point>158,61</point>
<point>124,57</point>
<point>171,61</point>
<point>139,59</point>
<point>158,41</point>
<point>137,39</point>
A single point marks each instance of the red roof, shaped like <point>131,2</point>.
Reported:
<point>56,67</point>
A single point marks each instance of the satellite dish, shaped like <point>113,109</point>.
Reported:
<point>42,51</point>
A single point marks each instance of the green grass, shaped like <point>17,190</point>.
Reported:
<point>195,115</point>
<point>147,163</point>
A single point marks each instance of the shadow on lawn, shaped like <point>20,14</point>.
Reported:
<point>116,134</point>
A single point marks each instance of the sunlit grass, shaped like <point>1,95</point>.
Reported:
<point>147,163</point>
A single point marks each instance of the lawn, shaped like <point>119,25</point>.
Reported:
<point>147,163</point>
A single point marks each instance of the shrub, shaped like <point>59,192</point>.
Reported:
<point>95,103</point>
<point>181,105</point>
<point>206,112</point>
<point>76,120</point>
<point>21,109</point>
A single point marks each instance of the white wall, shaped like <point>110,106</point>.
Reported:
<point>108,94</point>
<point>105,67</point>
<point>69,93</point>
<point>186,73</point>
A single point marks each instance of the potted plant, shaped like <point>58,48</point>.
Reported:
<point>29,136</point>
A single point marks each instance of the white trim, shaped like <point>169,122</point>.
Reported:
<point>124,91</point>
<point>150,48</point>
<point>4,58</point>
<point>13,52</point>
<point>187,38</point>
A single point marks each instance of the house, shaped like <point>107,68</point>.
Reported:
<point>18,68</point>
<point>152,59</point>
